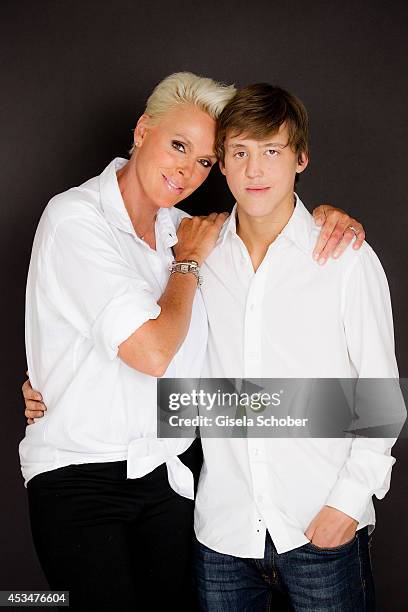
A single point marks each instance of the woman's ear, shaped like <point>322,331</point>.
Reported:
<point>141,129</point>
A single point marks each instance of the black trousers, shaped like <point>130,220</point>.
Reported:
<point>115,544</point>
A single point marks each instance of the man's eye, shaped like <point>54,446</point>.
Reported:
<point>178,146</point>
<point>239,154</point>
<point>272,152</point>
<point>205,163</point>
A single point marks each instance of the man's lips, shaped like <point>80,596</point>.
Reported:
<point>172,185</point>
<point>256,189</point>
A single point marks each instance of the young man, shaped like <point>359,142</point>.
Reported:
<point>283,514</point>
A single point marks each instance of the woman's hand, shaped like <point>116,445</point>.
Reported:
<point>154,344</point>
<point>34,406</point>
<point>336,233</point>
<point>197,237</point>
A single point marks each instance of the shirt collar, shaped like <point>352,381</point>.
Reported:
<point>298,229</point>
<point>229,227</point>
<point>115,211</point>
<point>300,226</point>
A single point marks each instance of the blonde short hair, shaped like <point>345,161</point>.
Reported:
<point>188,88</point>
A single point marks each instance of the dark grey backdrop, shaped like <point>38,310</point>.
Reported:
<point>74,79</point>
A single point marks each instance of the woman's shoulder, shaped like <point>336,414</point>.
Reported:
<point>72,213</point>
<point>81,202</point>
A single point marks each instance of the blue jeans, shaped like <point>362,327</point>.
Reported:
<point>304,579</point>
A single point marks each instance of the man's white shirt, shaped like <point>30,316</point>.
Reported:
<point>291,319</point>
<point>92,282</point>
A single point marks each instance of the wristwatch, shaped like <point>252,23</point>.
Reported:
<point>186,267</point>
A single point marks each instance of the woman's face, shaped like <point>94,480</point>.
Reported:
<point>175,156</point>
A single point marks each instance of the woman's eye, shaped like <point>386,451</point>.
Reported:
<point>178,145</point>
<point>205,163</point>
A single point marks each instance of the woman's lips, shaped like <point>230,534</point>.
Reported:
<point>172,186</point>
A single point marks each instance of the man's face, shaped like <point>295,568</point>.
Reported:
<point>261,173</point>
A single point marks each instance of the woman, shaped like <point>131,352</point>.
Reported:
<point>110,505</point>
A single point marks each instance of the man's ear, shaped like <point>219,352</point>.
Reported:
<point>141,129</point>
<point>222,167</point>
<point>303,160</point>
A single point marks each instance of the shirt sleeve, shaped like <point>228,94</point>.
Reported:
<point>368,327</point>
<point>92,285</point>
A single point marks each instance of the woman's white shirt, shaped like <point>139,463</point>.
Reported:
<point>92,282</point>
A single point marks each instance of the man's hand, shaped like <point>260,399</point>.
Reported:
<point>197,236</point>
<point>335,234</point>
<point>34,405</point>
<point>331,528</point>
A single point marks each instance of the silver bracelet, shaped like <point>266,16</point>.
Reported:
<point>186,267</point>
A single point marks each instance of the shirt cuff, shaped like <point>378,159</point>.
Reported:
<point>350,497</point>
<point>120,318</point>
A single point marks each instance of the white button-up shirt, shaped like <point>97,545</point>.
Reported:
<point>292,318</point>
<point>92,282</point>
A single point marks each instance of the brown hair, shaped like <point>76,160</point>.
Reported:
<point>258,111</point>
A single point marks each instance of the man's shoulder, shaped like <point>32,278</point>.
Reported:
<point>177,215</point>
<point>349,258</point>
<point>363,261</point>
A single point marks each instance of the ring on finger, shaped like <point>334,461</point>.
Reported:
<point>353,229</point>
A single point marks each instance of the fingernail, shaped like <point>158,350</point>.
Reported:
<point>38,397</point>
<point>336,254</point>
<point>316,256</point>
<point>321,261</point>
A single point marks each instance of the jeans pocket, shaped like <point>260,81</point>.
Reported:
<point>334,549</point>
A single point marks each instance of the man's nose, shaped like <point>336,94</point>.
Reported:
<point>253,167</point>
